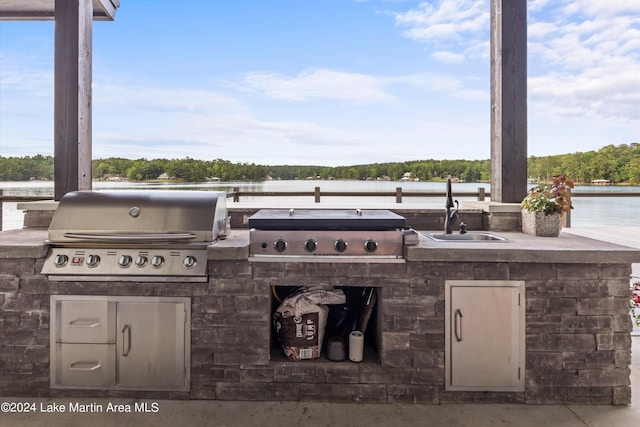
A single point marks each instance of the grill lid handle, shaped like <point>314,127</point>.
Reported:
<point>142,237</point>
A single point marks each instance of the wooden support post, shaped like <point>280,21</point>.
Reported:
<point>236,194</point>
<point>567,216</point>
<point>398,194</point>
<point>481,194</point>
<point>72,96</point>
<point>316,194</point>
<point>1,203</point>
<point>508,100</point>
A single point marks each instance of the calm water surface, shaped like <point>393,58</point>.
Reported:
<point>588,211</point>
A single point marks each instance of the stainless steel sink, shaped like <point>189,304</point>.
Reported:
<point>468,237</point>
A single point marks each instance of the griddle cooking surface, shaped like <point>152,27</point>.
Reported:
<point>326,219</point>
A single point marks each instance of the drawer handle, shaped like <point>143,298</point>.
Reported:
<point>84,366</point>
<point>455,325</point>
<point>127,330</point>
<point>84,323</point>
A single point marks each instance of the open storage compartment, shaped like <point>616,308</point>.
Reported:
<point>359,311</point>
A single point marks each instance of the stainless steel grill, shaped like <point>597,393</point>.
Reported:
<point>134,235</point>
<point>331,235</point>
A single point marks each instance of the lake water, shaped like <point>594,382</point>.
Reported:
<point>588,211</point>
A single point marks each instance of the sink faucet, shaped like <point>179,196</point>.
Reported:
<point>451,216</point>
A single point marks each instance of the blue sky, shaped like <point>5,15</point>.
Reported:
<point>327,82</point>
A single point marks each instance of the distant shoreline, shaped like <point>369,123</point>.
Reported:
<point>182,181</point>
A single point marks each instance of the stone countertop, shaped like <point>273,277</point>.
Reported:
<point>234,247</point>
<point>23,243</point>
<point>519,247</point>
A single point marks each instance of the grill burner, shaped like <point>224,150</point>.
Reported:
<point>326,235</point>
<point>134,235</point>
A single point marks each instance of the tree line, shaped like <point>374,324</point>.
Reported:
<point>619,164</point>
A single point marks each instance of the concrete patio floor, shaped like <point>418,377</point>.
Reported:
<point>243,414</point>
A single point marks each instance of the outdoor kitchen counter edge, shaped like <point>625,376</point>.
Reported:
<point>24,243</point>
<point>519,247</point>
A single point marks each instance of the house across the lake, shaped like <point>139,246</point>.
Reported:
<point>601,182</point>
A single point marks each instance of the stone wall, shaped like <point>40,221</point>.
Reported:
<point>24,326</point>
<point>577,332</point>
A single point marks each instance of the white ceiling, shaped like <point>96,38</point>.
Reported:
<point>26,10</point>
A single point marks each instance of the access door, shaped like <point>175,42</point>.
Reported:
<point>485,335</point>
<point>151,344</point>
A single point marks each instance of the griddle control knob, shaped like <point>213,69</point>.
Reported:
<point>310,245</point>
<point>157,261</point>
<point>125,261</point>
<point>189,261</point>
<point>141,261</point>
<point>93,261</point>
<point>280,245</point>
<point>370,246</point>
<point>60,260</point>
<point>340,245</point>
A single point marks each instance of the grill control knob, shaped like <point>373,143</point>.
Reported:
<point>370,246</point>
<point>60,260</point>
<point>310,245</point>
<point>280,245</point>
<point>93,261</point>
<point>157,261</point>
<point>141,261</point>
<point>340,245</point>
<point>124,261</point>
<point>189,262</point>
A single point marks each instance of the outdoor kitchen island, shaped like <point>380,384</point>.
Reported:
<point>577,346</point>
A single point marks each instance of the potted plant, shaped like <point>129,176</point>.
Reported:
<point>544,207</point>
<point>634,306</point>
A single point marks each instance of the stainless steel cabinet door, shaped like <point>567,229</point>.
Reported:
<point>485,335</point>
<point>151,344</point>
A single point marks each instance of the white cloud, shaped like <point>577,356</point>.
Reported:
<point>448,57</point>
<point>586,60</point>
<point>540,29</point>
<point>601,8</point>
<point>319,84</point>
<point>584,55</point>
<point>153,98</point>
<point>455,24</point>
<point>536,5</point>
<point>23,73</point>
<point>355,87</point>
<point>589,94</point>
<point>449,18</point>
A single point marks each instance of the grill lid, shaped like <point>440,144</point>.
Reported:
<point>326,219</point>
<point>135,216</point>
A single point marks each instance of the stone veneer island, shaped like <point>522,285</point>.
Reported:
<point>577,346</point>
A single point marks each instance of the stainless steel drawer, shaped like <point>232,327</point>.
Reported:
<point>86,322</point>
<point>86,365</point>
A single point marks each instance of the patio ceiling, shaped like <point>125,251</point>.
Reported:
<point>43,10</point>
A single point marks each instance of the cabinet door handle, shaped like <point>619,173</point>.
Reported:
<point>84,323</point>
<point>84,366</point>
<point>455,325</point>
<point>127,330</point>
